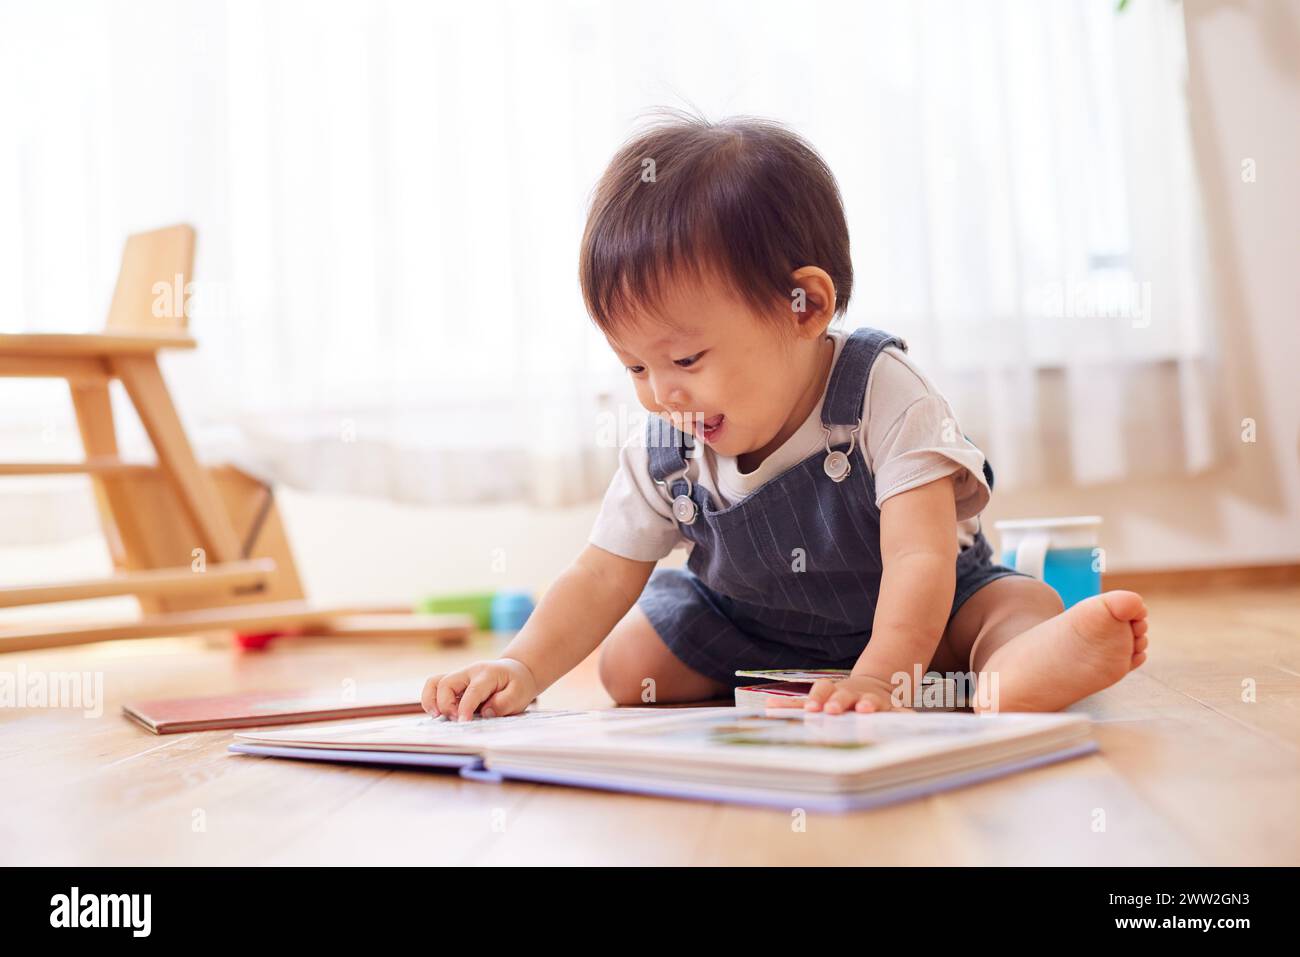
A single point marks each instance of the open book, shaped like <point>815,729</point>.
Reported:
<point>780,757</point>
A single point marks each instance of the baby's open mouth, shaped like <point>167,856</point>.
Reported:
<point>711,426</point>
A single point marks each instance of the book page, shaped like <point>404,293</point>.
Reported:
<point>428,733</point>
<point>782,738</point>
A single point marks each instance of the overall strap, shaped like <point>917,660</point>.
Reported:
<point>847,389</point>
<point>668,447</point>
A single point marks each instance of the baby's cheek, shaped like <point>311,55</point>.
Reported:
<point>647,399</point>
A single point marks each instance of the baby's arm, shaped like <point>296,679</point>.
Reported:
<point>577,612</point>
<point>918,545</point>
<point>575,615</point>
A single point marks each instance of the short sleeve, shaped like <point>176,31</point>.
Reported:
<point>913,437</point>
<point>635,519</point>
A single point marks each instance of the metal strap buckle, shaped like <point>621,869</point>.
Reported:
<point>836,464</point>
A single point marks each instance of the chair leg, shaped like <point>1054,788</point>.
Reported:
<point>117,519</point>
<point>194,487</point>
<point>98,438</point>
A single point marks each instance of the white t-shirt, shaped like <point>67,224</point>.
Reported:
<point>905,421</point>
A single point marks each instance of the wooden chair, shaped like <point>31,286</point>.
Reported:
<point>201,549</point>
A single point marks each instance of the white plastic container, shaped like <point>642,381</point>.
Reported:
<point>1064,552</point>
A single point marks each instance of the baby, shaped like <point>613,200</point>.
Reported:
<point>828,498</point>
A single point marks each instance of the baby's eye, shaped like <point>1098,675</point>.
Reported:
<point>688,361</point>
<point>636,370</point>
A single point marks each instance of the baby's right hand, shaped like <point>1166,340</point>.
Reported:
<point>502,686</point>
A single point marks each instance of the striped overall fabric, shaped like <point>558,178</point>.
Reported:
<point>788,576</point>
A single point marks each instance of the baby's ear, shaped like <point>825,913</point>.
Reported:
<point>814,290</point>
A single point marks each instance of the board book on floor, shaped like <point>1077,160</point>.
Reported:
<point>258,709</point>
<point>779,757</point>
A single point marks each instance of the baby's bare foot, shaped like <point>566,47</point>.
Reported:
<point>1087,647</point>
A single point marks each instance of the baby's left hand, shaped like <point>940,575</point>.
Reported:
<point>855,693</point>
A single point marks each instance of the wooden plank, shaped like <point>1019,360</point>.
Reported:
<point>1180,781</point>
<point>87,369</point>
<point>1002,822</point>
<point>403,624</point>
<point>89,345</point>
<point>94,410</point>
<point>99,465</point>
<point>1186,761</point>
<point>150,295</point>
<point>1234,794</point>
<point>42,635</point>
<point>1200,579</point>
<point>194,487</point>
<point>152,793</point>
<point>297,615</point>
<point>1269,704</point>
<point>168,537</point>
<point>157,581</point>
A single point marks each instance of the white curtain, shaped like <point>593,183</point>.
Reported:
<point>389,198</point>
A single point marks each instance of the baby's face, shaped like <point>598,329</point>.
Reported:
<point>726,374</point>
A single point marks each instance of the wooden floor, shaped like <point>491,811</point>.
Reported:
<point>1188,773</point>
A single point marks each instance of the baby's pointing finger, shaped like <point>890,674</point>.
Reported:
<point>429,696</point>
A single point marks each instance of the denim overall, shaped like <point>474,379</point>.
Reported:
<point>788,576</point>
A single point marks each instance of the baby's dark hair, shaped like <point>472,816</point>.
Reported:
<point>743,199</point>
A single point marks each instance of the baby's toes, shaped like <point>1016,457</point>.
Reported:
<point>1140,627</point>
<point>1124,605</point>
<point>1140,645</point>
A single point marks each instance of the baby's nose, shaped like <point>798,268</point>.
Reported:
<point>673,400</point>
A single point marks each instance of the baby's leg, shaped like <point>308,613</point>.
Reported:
<point>634,652</point>
<point>1044,658</point>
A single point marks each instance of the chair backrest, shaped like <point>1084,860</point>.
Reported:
<point>150,293</point>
